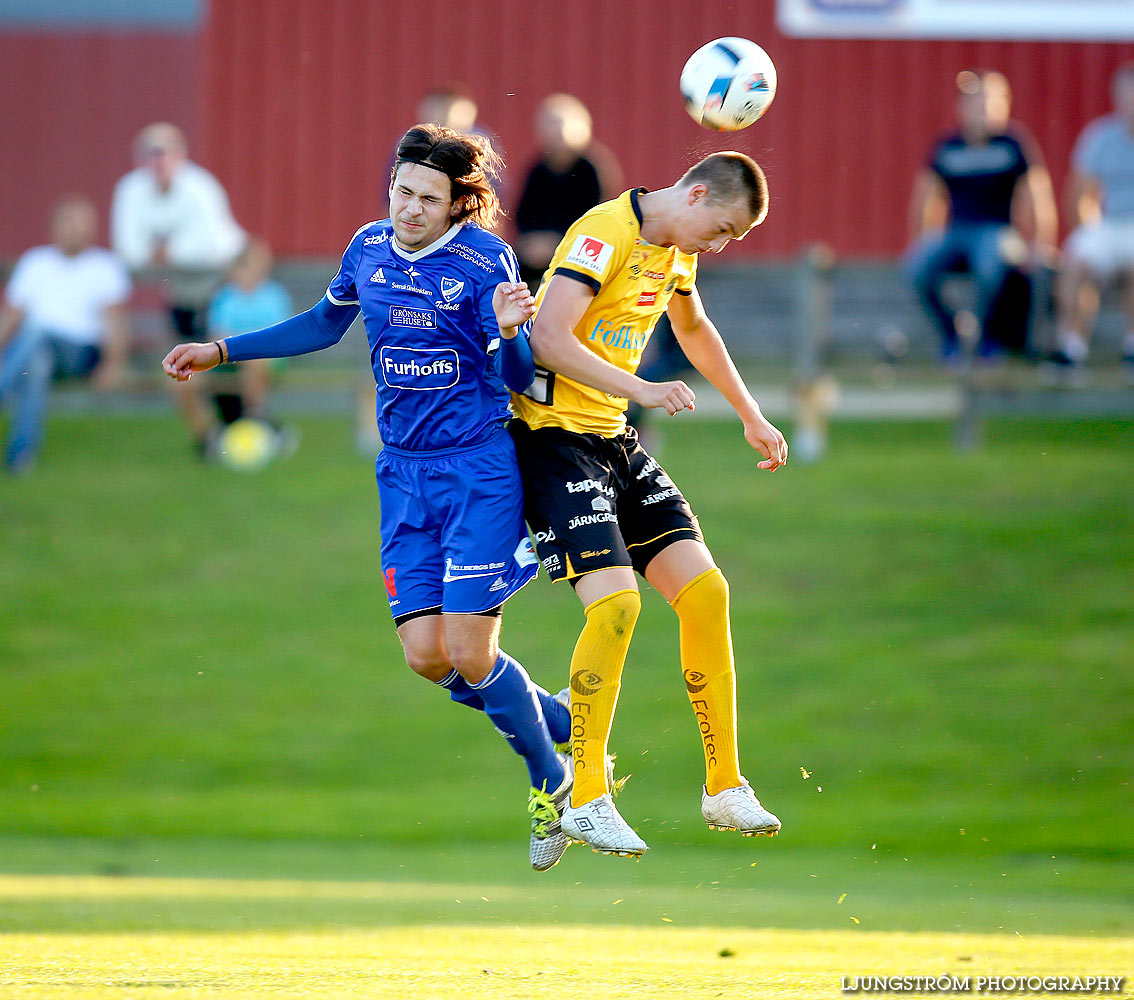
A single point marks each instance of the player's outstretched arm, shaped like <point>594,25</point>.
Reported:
<point>186,359</point>
<point>707,353</point>
<point>556,348</point>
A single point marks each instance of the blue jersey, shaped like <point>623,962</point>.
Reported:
<point>432,332</point>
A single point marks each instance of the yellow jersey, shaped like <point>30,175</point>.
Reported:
<point>633,282</point>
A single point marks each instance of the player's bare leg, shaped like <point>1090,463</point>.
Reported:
<point>688,578</point>
<point>612,603</point>
<point>462,653</point>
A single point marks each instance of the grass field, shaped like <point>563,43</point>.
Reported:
<point>509,960</point>
<point>201,683</point>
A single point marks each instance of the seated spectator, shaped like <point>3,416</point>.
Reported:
<point>1101,246</point>
<point>983,204</point>
<point>172,215</point>
<point>251,300</point>
<point>63,317</point>
<point>572,175</point>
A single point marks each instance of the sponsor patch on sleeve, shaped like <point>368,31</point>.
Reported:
<point>589,253</point>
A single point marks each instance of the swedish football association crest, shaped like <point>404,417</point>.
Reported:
<point>451,288</point>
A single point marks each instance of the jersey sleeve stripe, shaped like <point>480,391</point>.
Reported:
<point>509,268</point>
<point>684,291</point>
<point>341,302</point>
<point>586,279</point>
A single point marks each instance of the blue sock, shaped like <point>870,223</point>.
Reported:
<point>555,714</point>
<point>511,703</point>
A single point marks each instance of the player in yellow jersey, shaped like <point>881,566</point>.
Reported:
<point>601,508</point>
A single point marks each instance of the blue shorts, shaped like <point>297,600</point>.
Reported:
<point>453,534</point>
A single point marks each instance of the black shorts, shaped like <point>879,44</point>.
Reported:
<point>594,502</point>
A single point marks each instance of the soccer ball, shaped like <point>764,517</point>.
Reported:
<point>728,83</point>
<point>247,445</point>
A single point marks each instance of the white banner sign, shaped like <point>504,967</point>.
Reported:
<point>1042,20</point>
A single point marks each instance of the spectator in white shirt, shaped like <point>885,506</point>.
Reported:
<point>1100,249</point>
<point>63,316</point>
<point>171,214</point>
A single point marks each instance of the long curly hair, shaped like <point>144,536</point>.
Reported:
<point>467,159</point>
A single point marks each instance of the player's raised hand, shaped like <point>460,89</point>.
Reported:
<point>673,397</point>
<point>185,359</point>
<point>514,305</point>
<point>767,440</point>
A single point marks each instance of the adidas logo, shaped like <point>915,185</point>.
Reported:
<point>499,584</point>
<point>378,277</point>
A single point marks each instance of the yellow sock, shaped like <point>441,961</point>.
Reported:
<point>596,677</point>
<point>710,674</point>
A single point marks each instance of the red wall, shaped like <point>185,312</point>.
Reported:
<point>71,108</point>
<point>302,102</point>
<point>295,105</point>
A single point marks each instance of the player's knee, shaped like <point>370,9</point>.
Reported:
<point>616,613</point>
<point>703,594</point>
<point>472,661</point>
<point>427,660</point>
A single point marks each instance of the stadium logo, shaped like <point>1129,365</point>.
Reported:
<point>585,682</point>
<point>695,681</point>
<point>451,288</point>
<point>419,369</point>
<point>590,254</point>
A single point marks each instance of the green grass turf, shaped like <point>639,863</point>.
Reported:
<point>942,641</point>
<point>662,961</point>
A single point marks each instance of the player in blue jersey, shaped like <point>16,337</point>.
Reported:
<point>445,316</point>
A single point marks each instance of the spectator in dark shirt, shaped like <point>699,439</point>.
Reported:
<point>572,175</point>
<point>983,203</point>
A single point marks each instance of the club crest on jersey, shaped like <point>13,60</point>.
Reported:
<point>589,253</point>
<point>451,288</point>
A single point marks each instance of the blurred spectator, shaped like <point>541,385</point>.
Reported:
<point>172,215</point>
<point>250,301</point>
<point>63,317</point>
<point>1101,207</point>
<point>452,105</point>
<point>982,204</point>
<point>572,175</point>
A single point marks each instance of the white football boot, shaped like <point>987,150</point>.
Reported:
<point>737,809</point>
<point>548,842</point>
<point>598,823</point>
